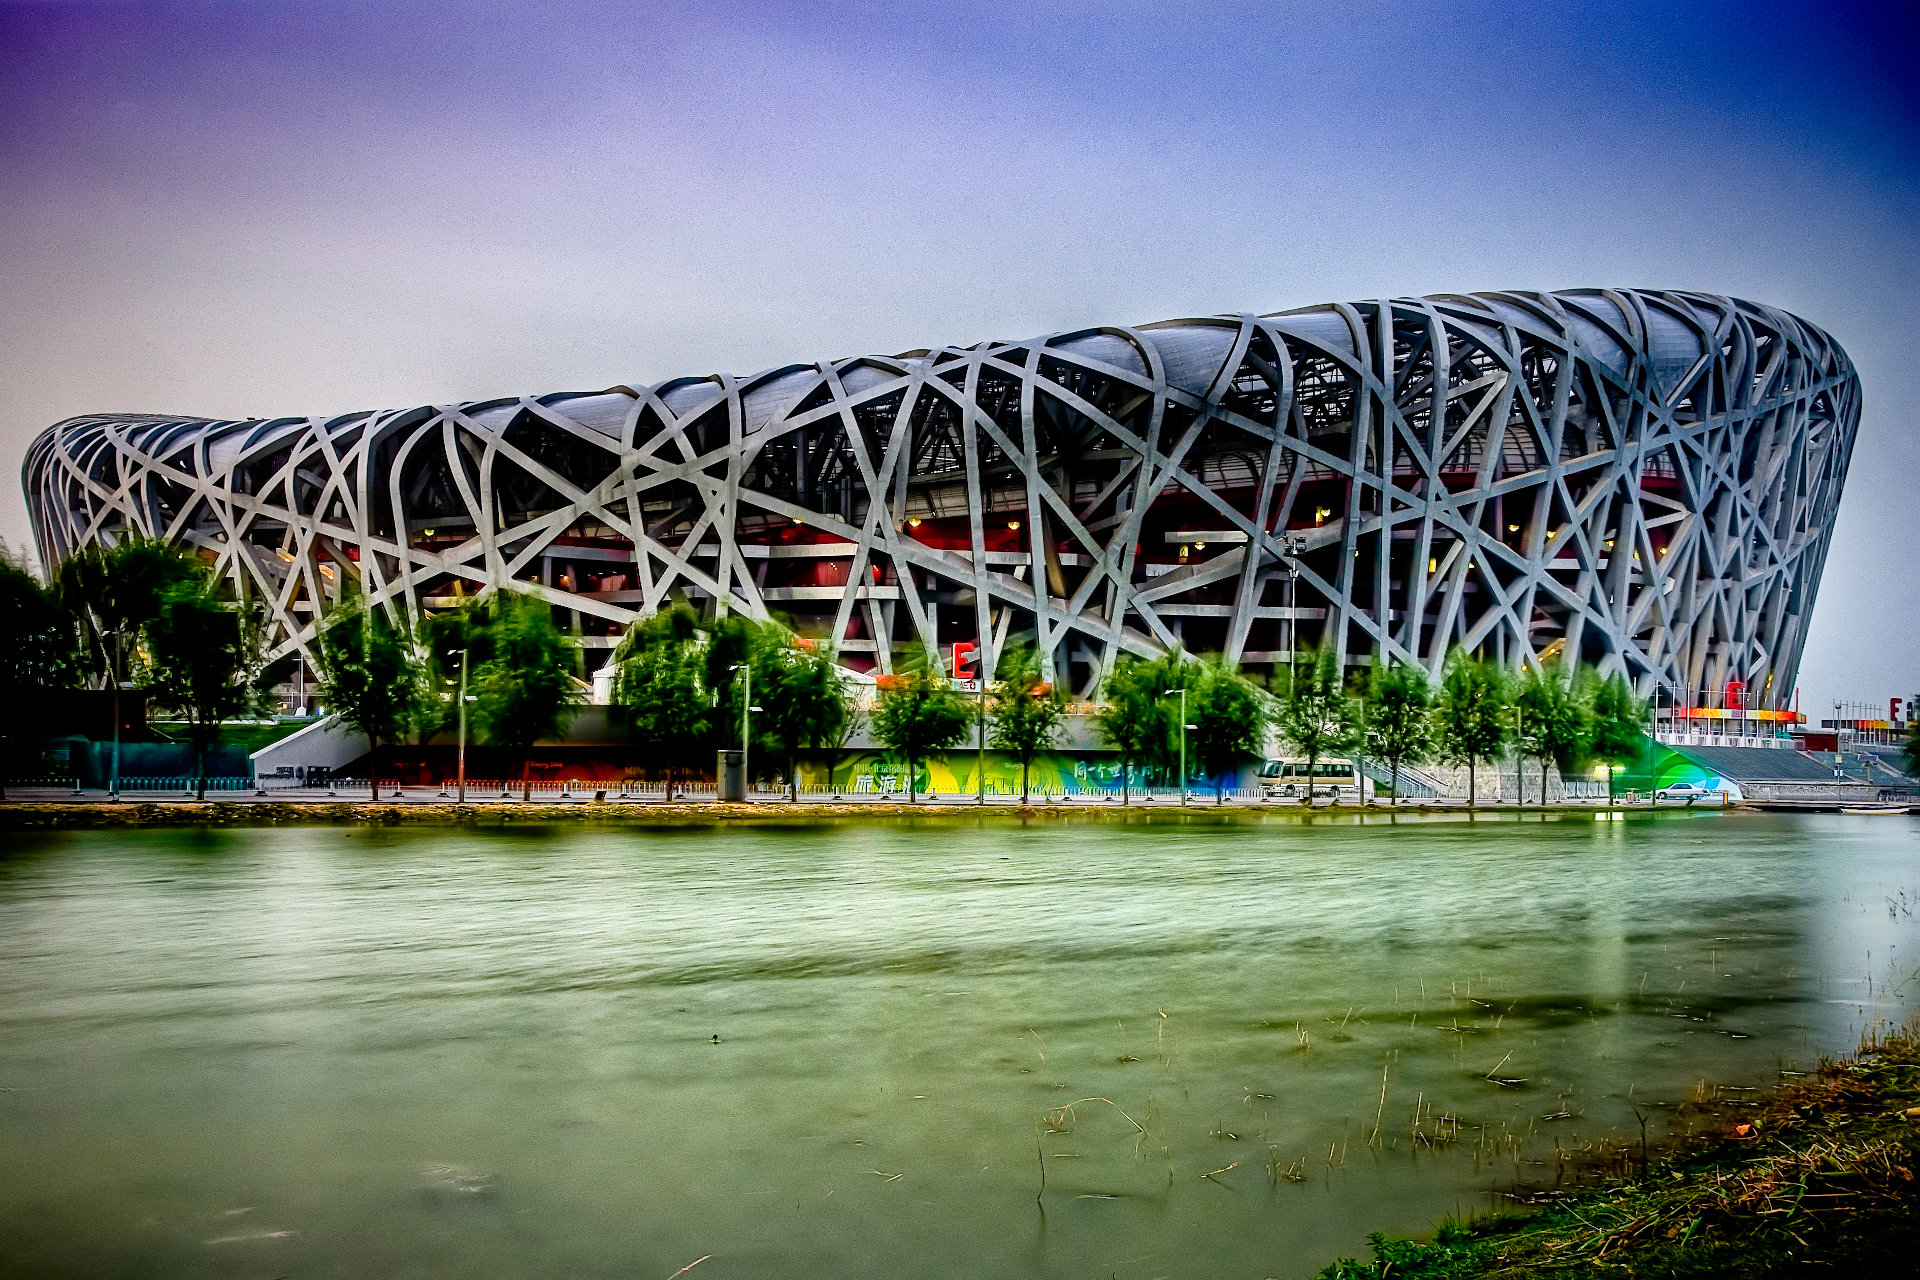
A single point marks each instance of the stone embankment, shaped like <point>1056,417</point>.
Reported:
<point>253,812</point>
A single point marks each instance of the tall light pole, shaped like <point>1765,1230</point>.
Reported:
<point>461,767</point>
<point>746,708</point>
<point>980,758</point>
<point>1184,726</point>
<point>1519,764</point>
<point>1290,548</point>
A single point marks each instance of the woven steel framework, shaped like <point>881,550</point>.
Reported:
<point>1646,480</point>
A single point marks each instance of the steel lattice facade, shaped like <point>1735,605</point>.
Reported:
<point>1647,480</point>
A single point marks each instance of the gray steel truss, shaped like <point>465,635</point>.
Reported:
<point>1645,480</point>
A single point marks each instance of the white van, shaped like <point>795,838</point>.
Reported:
<point>1334,779</point>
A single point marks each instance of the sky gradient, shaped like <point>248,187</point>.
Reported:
<point>268,209</point>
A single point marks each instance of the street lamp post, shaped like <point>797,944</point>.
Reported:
<point>460,768</point>
<point>746,709</point>
<point>1290,548</point>
<point>1519,764</point>
<point>1184,726</point>
<point>113,788</point>
<point>980,756</point>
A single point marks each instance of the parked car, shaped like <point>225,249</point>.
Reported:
<point>1688,791</point>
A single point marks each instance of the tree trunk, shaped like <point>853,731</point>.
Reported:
<point>1313,759</point>
<point>1472,786</point>
<point>526,778</point>
<point>200,764</point>
<point>1026,789</point>
<point>1394,764</point>
<point>793,777</point>
<point>1126,785</point>
<point>1543,782</point>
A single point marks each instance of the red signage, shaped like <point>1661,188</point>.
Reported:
<point>1736,695</point>
<point>966,658</point>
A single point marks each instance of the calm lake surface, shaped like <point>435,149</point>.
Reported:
<point>851,1050</point>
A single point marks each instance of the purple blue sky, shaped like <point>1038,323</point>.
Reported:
<point>272,208</point>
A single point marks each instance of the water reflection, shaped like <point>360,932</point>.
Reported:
<point>1226,1047</point>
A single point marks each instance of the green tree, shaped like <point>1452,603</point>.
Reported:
<point>1554,721</point>
<point>1026,711</point>
<point>525,690</point>
<point>1132,720</point>
<point>803,703</point>
<point>374,676</point>
<point>662,684</point>
<point>39,655</point>
<point>1910,749</point>
<point>919,712</point>
<point>203,658</point>
<point>112,592</point>
<point>1618,726</point>
<point>1229,718</point>
<point>1399,725</point>
<point>1315,714</point>
<point>1470,715</point>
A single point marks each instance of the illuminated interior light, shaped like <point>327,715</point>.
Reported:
<point>1013,524</point>
<point>1513,528</point>
<point>1199,546</point>
<point>913,522</point>
<point>1433,564</point>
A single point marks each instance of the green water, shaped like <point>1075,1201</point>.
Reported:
<point>322,1052</point>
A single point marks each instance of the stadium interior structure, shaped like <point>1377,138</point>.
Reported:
<point>1644,480</point>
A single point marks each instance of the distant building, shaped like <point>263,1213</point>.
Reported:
<point>1642,480</point>
<point>1856,724</point>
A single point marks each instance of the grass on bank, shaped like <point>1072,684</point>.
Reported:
<point>1820,1181</point>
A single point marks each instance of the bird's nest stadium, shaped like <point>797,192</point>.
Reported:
<point>1642,480</point>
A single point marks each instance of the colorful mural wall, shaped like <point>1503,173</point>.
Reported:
<point>1661,766</point>
<point>958,773</point>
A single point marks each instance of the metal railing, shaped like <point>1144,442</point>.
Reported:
<point>188,785</point>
